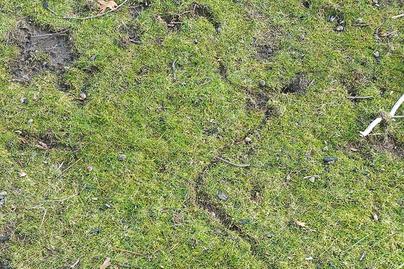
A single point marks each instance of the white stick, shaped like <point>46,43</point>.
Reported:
<point>398,16</point>
<point>379,120</point>
<point>397,106</point>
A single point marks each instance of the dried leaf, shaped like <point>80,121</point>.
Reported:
<point>106,4</point>
<point>300,224</point>
<point>42,145</point>
<point>106,263</point>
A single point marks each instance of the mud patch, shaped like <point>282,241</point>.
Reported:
<point>267,43</point>
<point>40,49</point>
<point>256,100</point>
<point>256,193</point>
<point>196,10</point>
<point>199,10</point>
<point>173,21</point>
<point>131,35</point>
<point>298,84</point>
<point>138,8</point>
<point>389,144</point>
<point>44,141</point>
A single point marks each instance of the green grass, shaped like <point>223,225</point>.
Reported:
<point>143,211</point>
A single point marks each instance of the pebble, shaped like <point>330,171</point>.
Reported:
<point>340,28</point>
<point>329,160</point>
<point>248,140</point>
<point>90,168</point>
<point>122,157</point>
<point>4,238</point>
<point>262,83</point>
<point>83,96</point>
<point>22,174</point>
<point>3,195</point>
<point>222,196</point>
<point>24,100</point>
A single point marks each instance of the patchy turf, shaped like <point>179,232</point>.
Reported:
<point>199,134</point>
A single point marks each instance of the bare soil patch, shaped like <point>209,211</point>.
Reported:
<point>40,49</point>
<point>298,84</point>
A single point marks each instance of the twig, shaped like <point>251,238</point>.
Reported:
<point>85,18</point>
<point>74,265</point>
<point>43,217</point>
<point>359,97</point>
<point>398,16</point>
<point>234,164</point>
<point>51,34</point>
<point>129,252</point>
<point>174,69</point>
<point>380,119</point>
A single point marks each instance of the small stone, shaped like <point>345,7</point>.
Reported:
<point>248,140</point>
<point>262,83</point>
<point>95,231</point>
<point>312,179</point>
<point>375,217</point>
<point>329,160</point>
<point>3,195</point>
<point>90,168</point>
<point>339,28</point>
<point>309,258</point>
<point>30,121</point>
<point>4,238</point>
<point>362,257</point>
<point>222,196</point>
<point>83,96</point>
<point>24,100</point>
<point>22,174</point>
<point>122,157</point>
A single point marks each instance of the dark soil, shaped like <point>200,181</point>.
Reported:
<point>389,144</point>
<point>175,21</point>
<point>139,7</point>
<point>299,84</point>
<point>257,100</point>
<point>264,52</point>
<point>199,10</point>
<point>40,49</point>
<point>132,35</point>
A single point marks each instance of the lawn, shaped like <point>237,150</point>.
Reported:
<point>201,134</point>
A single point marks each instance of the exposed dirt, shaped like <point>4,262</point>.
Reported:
<point>204,201</point>
<point>389,144</point>
<point>139,7</point>
<point>44,141</point>
<point>199,10</point>
<point>175,21</point>
<point>267,44</point>
<point>132,35</point>
<point>40,49</point>
<point>298,84</point>
<point>256,100</point>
